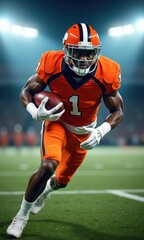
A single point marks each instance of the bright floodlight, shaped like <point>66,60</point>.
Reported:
<point>120,30</point>
<point>115,31</point>
<point>140,25</point>
<point>30,32</point>
<point>4,25</point>
<point>24,31</point>
<point>128,29</point>
<point>16,29</point>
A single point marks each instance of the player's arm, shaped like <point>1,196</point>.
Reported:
<point>33,86</point>
<point>114,104</point>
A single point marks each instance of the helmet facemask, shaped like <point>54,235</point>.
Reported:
<point>82,59</point>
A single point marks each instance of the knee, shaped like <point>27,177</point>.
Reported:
<point>48,167</point>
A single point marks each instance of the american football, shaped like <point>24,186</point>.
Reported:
<point>52,102</point>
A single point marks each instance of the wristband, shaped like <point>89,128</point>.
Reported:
<point>104,128</point>
<point>32,109</point>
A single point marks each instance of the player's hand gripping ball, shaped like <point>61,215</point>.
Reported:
<point>53,100</point>
<point>49,106</point>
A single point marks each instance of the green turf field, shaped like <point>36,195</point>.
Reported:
<point>104,201</point>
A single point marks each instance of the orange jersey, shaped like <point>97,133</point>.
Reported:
<point>81,98</point>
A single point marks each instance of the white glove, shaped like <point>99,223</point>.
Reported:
<point>42,114</point>
<point>95,135</point>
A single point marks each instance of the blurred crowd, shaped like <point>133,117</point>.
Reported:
<point>18,137</point>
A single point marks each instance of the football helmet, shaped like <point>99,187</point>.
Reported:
<point>82,47</point>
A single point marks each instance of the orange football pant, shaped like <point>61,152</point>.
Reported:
<point>58,143</point>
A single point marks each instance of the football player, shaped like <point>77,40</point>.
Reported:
<point>81,77</point>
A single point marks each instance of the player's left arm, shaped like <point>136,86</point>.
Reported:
<point>114,103</point>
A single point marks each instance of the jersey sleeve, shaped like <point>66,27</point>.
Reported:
<point>40,70</point>
<point>49,64</point>
<point>113,81</point>
<point>116,81</point>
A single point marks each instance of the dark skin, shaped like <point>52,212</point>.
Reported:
<point>38,180</point>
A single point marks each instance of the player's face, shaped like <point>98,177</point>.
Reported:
<point>85,57</point>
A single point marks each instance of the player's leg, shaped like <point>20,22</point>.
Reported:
<point>67,168</point>
<point>52,185</point>
<point>72,157</point>
<point>37,182</point>
<point>35,186</point>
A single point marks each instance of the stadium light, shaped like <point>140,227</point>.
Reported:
<point>4,25</point>
<point>115,31</point>
<point>7,27</point>
<point>29,32</point>
<point>24,31</point>
<point>121,30</point>
<point>127,29</point>
<point>16,29</point>
<point>140,25</point>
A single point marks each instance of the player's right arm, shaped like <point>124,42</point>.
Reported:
<point>33,86</point>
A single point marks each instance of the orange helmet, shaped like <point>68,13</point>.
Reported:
<point>82,48</point>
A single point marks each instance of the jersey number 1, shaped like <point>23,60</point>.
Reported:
<point>74,101</point>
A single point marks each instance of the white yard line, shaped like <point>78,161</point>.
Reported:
<point>11,193</point>
<point>127,195</point>
<point>121,193</point>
